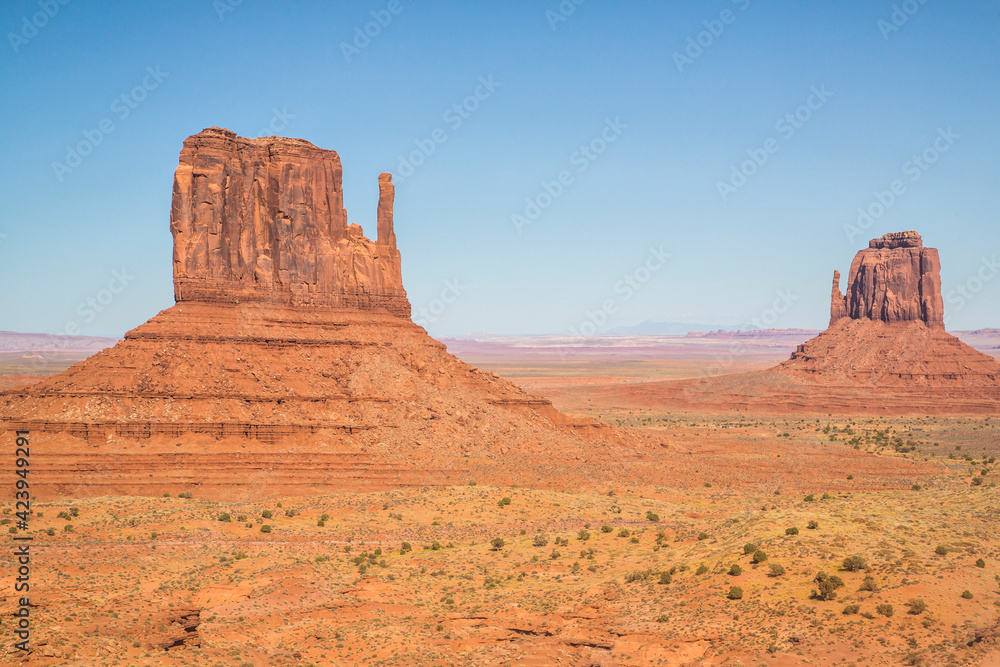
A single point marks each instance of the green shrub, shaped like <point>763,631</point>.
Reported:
<point>735,593</point>
<point>854,563</point>
<point>554,555</point>
<point>50,531</point>
<point>885,610</point>
<point>917,606</point>
<point>638,575</point>
<point>540,540</point>
<point>702,536</point>
<point>776,570</point>
<point>225,517</point>
<point>702,569</point>
<point>607,529</point>
<point>265,528</point>
<point>634,540</point>
<point>267,514</point>
<point>980,563</point>
<point>405,547</point>
<point>749,548</point>
<point>810,498</point>
<point>624,532</point>
<point>497,543</point>
<point>242,518</point>
<point>665,578</point>
<point>791,531</point>
<point>941,550</point>
<point>967,595</point>
<point>812,525</point>
<point>759,556</point>
<point>868,585</point>
<point>583,534</point>
<point>851,609</point>
<point>827,586</point>
<point>652,516</point>
<point>503,502</point>
<point>735,570</point>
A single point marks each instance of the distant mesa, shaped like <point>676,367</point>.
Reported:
<point>885,352</point>
<point>289,363</point>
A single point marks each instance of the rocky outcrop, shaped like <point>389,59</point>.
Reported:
<point>885,352</point>
<point>263,220</point>
<point>894,279</point>
<point>289,364</point>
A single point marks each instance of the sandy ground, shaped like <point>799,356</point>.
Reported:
<point>606,573</point>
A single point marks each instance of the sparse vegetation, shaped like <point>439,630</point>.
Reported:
<point>885,610</point>
<point>854,563</point>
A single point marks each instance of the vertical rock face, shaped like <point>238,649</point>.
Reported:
<point>263,220</point>
<point>838,307</point>
<point>386,197</point>
<point>894,279</point>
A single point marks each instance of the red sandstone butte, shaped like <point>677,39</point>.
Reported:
<point>263,220</point>
<point>894,279</point>
<point>885,352</point>
<point>289,364</point>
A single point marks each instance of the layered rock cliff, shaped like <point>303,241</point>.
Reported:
<point>894,279</point>
<point>263,220</point>
<point>289,364</point>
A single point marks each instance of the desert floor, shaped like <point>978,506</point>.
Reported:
<point>902,516</point>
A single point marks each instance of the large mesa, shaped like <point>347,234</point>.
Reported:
<point>289,363</point>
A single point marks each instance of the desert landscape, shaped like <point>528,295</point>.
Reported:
<point>283,468</point>
<point>570,386</point>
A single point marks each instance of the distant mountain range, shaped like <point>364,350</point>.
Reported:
<point>664,329</point>
<point>12,341</point>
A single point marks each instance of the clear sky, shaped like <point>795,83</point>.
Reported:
<point>709,153</point>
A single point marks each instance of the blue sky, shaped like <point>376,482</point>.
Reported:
<point>645,110</point>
